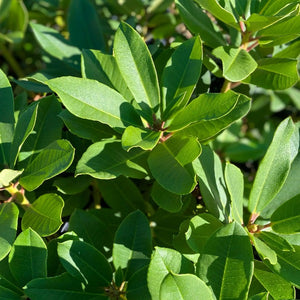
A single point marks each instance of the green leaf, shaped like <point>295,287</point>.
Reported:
<point>28,257</point>
<point>219,12</point>
<point>275,166</point>
<point>141,138</point>
<point>209,114</point>
<point>137,285</point>
<point>92,100</point>
<point>7,294</point>
<point>51,161</point>
<point>186,286</point>
<point>132,244</point>
<point>198,22</point>
<point>24,128</point>
<point>200,229</point>
<point>47,129</point>
<point>71,185</point>
<point>274,284</point>
<point>54,44</point>
<point>121,194</point>
<point>7,119</point>
<point>91,229</point>
<point>226,264</point>
<point>291,51</point>
<point>181,75</point>
<point>7,176</point>
<point>108,160</point>
<point>137,69</point>
<point>86,129</point>
<point>212,185</point>
<point>44,215</point>
<point>237,63</point>
<point>288,265</point>
<point>264,250</point>
<point>235,184</point>
<point>275,240</point>
<point>84,25</point>
<point>8,227</point>
<point>170,164</point>
<point>85,263</point>
<point>257,22</point>
<point>274,73</point>
<point>273,7</point>
<point>163,261</point>
<point>286,218</point>
<point>290,189</point>
<point>104,68</point>
<point>63,287</point>
<point>166,200</point>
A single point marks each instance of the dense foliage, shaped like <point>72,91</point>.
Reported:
<point>149,149</point>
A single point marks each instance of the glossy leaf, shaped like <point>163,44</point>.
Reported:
<point>85,263</point>
<point>132,244</point>
<point>226,264</point>
<point>290,189</point>
<point>185,286</point>
<point>108,160</point>
<point>274,73</point>
<point>92,100</point>
<point>134,137</point>
<point>288,264</point>
<point>55,45</point>
<point>163,261</point>
<point>170,164</point>
<point>274,167</point>
<point>8,227</point>
<point>237,63</point>
<point>84,26</point>
<point>219,12</point>
<point>209,170</point>
<point>209,114</point>
<point>86,129</point>
<point>44,215</point>
<point>275,240</point>
<point>165,199</point>
<point>63,287</point>
<point>27,259</point>
<point>257,22</point>
<point>104,68</point>
<point>274,284</point>
<point>235,184</point>
<point>181,75</point>
<point>47,129</point>
<point>137,69</point>
<point>7,119</point>
<point>137,285</point>
<point>24,128</point>
<point>198,22</point>
<point>286,218</point>
<point>71,185</point>
<point>7,176</point>
<point>273,7</point>
<point>200,228</point>
<point>51,161</point>
<point>264,250</point>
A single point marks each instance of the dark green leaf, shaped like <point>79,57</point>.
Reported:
<point>226,264</point>
<point>8,227</point>
<point>84,26</point>
<point>132,244</point>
